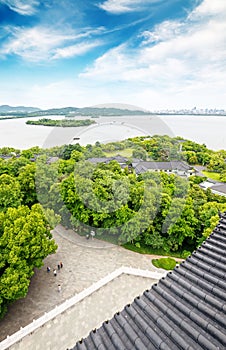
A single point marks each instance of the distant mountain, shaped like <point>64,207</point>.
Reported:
<point>122,106</point>
<point>58,111</point>
<point>108,111</point>
<point>94,111</point>
<point>113,109</point>
<point>19,109</point>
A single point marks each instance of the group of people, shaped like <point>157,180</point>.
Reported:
<point>59,266</point>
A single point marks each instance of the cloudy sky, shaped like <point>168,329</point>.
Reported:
<point>155,54</point>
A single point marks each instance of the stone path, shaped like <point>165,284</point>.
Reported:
<point>85,262</point>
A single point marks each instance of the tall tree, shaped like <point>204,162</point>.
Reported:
<point>25,240</point>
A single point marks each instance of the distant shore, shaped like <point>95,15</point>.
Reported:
<point>6,117</point>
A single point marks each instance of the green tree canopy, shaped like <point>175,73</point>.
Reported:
<point>10,192</point>
<point>25,240</point>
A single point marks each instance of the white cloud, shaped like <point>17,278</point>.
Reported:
<point>175,59</point>
<point>178,64</point>
<point>75,50</point>
<point>210,8</point>
<point>121,6</point>
<point>33,44</point>
<point>110,66</point>
<point>23,7</point>
<point>162,32</point>
<point>39,44</point>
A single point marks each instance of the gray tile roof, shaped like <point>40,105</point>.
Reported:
<point>118,158</point>
<point>173,165</point>
<point>219,187</point>
<point>165,166</point>
<point>184,310</point>
<point>143,166</point>
<point>52,160</point>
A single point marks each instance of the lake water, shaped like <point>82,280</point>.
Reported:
<point>202,129</point>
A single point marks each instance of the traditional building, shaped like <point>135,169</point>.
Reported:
<point>175,167</point>
<point>219,188</point>
<point>121,160</point>
<point>215,186</point>
<point>184,310</point>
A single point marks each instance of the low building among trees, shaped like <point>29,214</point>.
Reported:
<point>176,167</point>
<point>180,168</point>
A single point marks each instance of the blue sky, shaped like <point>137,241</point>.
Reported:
<point>155,54</point>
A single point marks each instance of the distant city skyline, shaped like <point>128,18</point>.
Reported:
<point>154,54</point>
<point>71,110</point>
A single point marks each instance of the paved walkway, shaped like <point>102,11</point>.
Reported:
<point>85,262</point>
<point>75,323</point>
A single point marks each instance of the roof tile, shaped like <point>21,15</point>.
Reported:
<point>185,310</point>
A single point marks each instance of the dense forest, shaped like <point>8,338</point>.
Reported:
<point>157,210</point>
<point>154,211</point>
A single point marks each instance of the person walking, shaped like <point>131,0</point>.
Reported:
<point>48,269</point>
<point>61,264</point>
<point>58,267</point>
<point>92,234</point>
<point>59,288</point>
<point>55,272</point>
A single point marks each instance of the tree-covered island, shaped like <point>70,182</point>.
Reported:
<point>64,123</point>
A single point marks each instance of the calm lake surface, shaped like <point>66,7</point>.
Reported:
<point>210,130</point>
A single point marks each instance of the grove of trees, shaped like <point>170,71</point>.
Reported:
<point>162,212</point>
<point>157,210</point>
<point>25,238</point>
<point>62,122</point>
